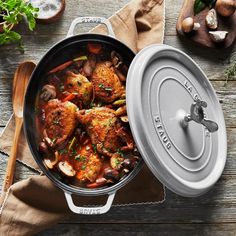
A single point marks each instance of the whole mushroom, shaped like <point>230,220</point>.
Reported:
<point>225,7</point>
<point>48,92</point>
<point>188,25</point>
<point>66,169</point>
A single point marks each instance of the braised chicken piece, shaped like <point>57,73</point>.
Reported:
<point>88,164</point>
<point>105,130</point>
<point>81,87</point>
<point>81,117</point>
<point>107,85</point>
<point>60,122</point>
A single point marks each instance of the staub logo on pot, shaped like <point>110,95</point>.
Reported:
<point>87,211</point>
<point>161,133</point>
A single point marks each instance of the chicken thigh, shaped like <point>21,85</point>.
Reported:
<point>81,87</point>
<point>107,85</point>
<point>60,121</point>
<point>105,130</point>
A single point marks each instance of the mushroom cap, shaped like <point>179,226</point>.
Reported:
<point>188,24</point>
<point>50,163</point>
<point>66,169</point>
<point>225,7</point>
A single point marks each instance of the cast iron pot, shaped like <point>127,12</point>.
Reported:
<point>57,55</point>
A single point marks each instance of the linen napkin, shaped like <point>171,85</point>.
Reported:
<point>35,204</point>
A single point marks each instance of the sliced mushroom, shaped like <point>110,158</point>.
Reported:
<point>111,174</point>
<point>98,183</point>
<point>124,119</point>
<point>66,169</point>
<point>218,36</point>
<point>43,148</point>
<point>123,96</point>
<point>188,25</point>
<point>125,171</point>
<point>121,111</point>
<point>211,19</point>
<point>225,7</point>
<point>116,59</point>
<point>51,163</point>
<point>90,65</point>
<point>48,92</point>
<point>129,163</point>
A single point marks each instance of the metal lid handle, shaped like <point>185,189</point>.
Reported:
<point>89,210</point>
<point>98,20</point>
<point>197,115</point>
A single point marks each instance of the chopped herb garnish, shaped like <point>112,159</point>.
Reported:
<point>91,105</point>
<point>117,162</point>
<point>73,151</point>
<point>80,158</point>
<point>54,140</point>
<point>81,58</point>
<point>55,122</point>
<point>62,151</point>
<point>72,142</point>
<point>120,152</point>
<point>101,86</point>
<point>108,89</point>
<point>83,167</point>
<point>94,148</point>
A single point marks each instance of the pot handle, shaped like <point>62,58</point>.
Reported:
<point>89,210</point>
<point>99,20</point>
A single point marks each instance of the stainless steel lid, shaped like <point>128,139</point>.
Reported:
<point>167,94</point>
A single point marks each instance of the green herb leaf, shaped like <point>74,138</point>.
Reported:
<point>199,5</point>
<point>108,89</point>
<point>230,73</point>
<point>12,12</point>
<point>101,85</point>
<point>83,167</point>
<point>94,148</point>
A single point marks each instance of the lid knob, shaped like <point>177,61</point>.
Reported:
<point>197,115</point>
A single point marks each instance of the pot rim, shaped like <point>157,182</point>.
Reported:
<point>35,153</point>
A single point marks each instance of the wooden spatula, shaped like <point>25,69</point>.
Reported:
<point>20,83</point>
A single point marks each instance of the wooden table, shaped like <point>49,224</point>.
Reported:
<point>211,214</point>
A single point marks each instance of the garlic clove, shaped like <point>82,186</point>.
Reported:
<point>218,36</point>
<point>211,19</point>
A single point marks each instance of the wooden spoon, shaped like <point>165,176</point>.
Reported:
<point>20,82</point>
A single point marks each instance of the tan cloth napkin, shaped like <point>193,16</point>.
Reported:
<point>36,203</point>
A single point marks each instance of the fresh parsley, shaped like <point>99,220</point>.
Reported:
<point>230,73</point>
<point>200,5</point>
<point>11,13</point>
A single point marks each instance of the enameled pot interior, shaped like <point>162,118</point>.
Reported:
<point>58,54</point>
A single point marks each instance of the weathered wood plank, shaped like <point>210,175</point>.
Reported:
<point>211,214</point>
<point>213,63</point>
<point>142,229</point>
<point>217,206</point>
<point>226,95</point>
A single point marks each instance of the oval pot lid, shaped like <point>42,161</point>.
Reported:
<point>162,84</point>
